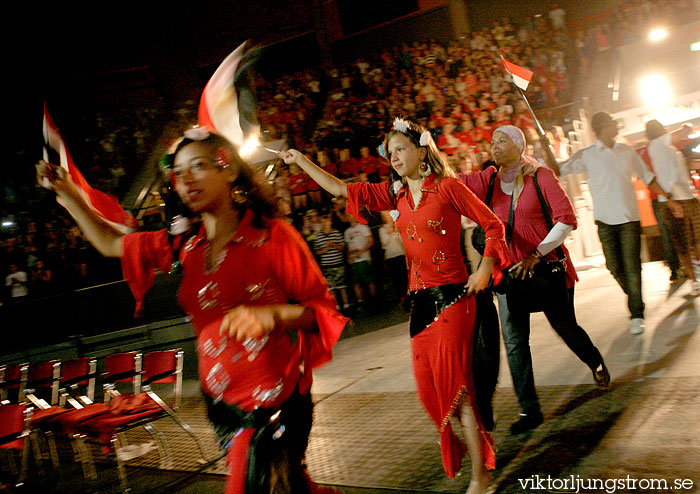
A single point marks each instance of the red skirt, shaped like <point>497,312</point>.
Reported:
<point>442,365</point>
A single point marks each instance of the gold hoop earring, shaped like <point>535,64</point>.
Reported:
<point>424,170</point>
<point>239,195</point>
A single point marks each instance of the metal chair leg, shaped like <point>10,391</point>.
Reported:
<point>121,469</point>
<point>51,441</point>
<point>164,453</point>
<point>180,422</point>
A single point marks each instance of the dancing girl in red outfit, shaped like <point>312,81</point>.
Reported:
<point>249,282</point>
<point>427,205</point>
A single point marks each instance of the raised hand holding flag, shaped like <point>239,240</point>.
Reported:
<point>521,79</point>
<point>105,205</point>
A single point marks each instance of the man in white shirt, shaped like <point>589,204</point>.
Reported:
<point>557,16</point>
<point>17,281</point>
<point>610,166</point>
<point>673,176</point>
<point>358,238</point>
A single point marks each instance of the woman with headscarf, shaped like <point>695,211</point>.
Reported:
<point>427,203</point>
<point>532,242</point>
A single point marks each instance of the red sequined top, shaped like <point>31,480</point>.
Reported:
<point>431,232</point>
<point>257,267</point>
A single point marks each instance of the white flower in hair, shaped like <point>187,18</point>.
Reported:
<point>424,138</point>
<point>197,133</point>
<point>400,124</point>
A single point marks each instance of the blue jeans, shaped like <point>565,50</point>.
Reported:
<point>516,339</point>
<point>665,231</point>
<point>622,250</point>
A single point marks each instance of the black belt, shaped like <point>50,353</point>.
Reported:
<point>427,304</point>
<point>288,429</point>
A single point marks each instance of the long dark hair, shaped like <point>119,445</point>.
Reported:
<point>259,197</point>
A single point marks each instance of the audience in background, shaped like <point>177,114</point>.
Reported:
<point>458,90</point>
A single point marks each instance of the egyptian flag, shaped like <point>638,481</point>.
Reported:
<point>228,106</point>
<point>521,76</point>
<point>105,205</point>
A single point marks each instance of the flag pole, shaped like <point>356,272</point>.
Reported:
<point>551,159</point>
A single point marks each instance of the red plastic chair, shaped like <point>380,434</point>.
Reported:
<point>121,368</point>
<point>138,409</point>
<point>13,380</point>
<point>76,395</point>
<point>14,429</point>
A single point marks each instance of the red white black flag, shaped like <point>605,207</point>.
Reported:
<point>105,205</point>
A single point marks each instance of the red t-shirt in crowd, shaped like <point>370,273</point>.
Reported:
<point>297,183</point>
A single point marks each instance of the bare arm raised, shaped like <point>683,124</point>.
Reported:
<point>103,236</point>
<point>331,184</point>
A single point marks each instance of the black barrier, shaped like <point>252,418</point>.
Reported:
<point>67,317</point>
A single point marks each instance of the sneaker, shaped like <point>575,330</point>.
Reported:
<point>601,376</point>
<point>636,325</point>
<point>526,422</point>
<point>695,288</point>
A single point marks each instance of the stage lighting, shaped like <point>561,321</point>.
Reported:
<point>249,146</point>
<point>658,34</point>
<point>655,90</point>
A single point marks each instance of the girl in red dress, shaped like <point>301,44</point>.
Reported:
<point>249,280</point>
<point>427,204</point>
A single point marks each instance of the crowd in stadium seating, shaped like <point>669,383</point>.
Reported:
<point>457,90</point>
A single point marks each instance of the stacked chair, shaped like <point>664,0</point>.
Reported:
<point>58,399</point>
<point>14,430</point>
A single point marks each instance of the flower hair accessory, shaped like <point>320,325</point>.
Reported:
<point>197,133</point>
<point>400,124</point>
<point>424,138</point>
<point>223,157</point>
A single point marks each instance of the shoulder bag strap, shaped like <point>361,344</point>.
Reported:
<point>511,219</point>
<point>489,191</point>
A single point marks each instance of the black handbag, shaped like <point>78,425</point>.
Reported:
<point>478,233</point>
<point>547,286</point>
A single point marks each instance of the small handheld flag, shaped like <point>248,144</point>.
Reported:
<point>105,205</point>
<point>521,76</point>
<point>228,105</point>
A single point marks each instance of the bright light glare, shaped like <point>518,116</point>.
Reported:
<point>696,149</point>
<point>655,90</point>
<point>695,46</point>
<point>658,34</point>
<point>249,146</point>
<point>694,135</point>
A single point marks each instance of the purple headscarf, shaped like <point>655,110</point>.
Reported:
<point>516,135</point>
<point>527,165</point>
